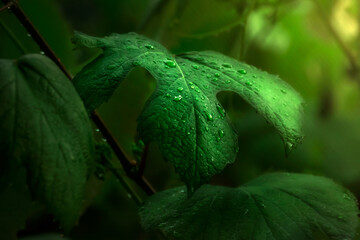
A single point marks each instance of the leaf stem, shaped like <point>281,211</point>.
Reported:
<point>127,163</point>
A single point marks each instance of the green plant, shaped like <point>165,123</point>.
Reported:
<point>47,137</point>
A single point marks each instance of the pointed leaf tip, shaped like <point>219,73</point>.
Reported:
<point>83,40</point>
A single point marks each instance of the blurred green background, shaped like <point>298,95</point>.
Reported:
<point>314,45</point>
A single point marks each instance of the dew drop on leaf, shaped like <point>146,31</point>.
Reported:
<point>148,46</point>
<point>221,133</point>
<point>242,71</point>
<point>170,63</point>
<point>249,83</point>
<point>209,116</point>
<point>177,98</point>
<point>220,110</point>
<point>195,66</point>
<point>180,89</point>
<point>246,211</point>
<point>227,65</point>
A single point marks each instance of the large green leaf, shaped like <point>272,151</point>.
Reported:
<point>45,127</point>
<point>274,206</point>
<point>183,115</point>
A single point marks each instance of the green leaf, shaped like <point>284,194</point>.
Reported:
<point>45,127</point>
<point>273,206</point>
<point>183,115</point>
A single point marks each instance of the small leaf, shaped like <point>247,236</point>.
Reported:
<point>45,127</point>
<point>278,206</point>
<point>183,115</point>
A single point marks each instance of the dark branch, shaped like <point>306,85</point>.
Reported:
<point>127,163</point>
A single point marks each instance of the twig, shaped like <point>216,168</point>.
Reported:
<point>6,6</point>
<point>126,162</point>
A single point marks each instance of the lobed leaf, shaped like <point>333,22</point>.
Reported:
<point>45,127</point>
<point>277,206</point>
<point>183,114</point>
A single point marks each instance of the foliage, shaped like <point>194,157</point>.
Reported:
<point>183,115</point>
<point>46,129</point>
<point>273,206</point>
<point>311,44</point>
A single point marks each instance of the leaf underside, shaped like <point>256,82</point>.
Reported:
<point>45,128</point>
<point>183,115</point>
<point>278,206</point>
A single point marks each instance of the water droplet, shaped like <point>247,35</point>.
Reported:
<point>242,71</point>
<point>170,63</point>
<point>165,109</point>
<point>262,205</point>
<point>246,211</point>
<point>29,35</point>
<point>207,128</point>
<point>111,66</point>
<point>184,121</point>
<point>188,133</point>
<point>136,63</point>
<point>227,81</point>
<point>148,46</point>
<point>177,98</point>
<point>97,130</point>
<point>254,76</point>
<point>249,83</point>
<point>208,76</point>
<point>104,140</point>
<point>209,116</point>
<point>195,67</point>
<point>214,79</point>
<point>221,133</point>
<point>206,86</point>
<point>218,139</point>
<point>180,89</point>
<point>217,75</point>
<point>128,195</point>
<point>168,95</point>
<point>283,91</point>
<point>42,53</point>
<point>220,110</point>
<point>191,83</point>
<point>346,196</point>
<point>227,65</point>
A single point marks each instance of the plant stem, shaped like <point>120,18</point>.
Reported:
<point>6,6</point>
<point>127,163</point>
